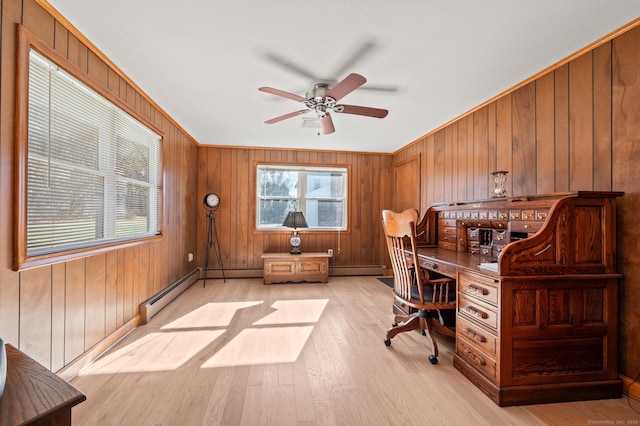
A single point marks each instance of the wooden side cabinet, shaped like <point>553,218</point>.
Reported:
<point>295,268</point>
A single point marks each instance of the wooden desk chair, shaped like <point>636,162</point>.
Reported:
<point>412,285</point>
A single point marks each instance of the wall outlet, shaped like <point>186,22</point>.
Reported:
<point>330,251</point>
<point>190,257</point>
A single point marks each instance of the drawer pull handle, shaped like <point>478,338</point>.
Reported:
<point>480,338</point>
<point>476,358</point>
<point>477,313</point>
<point>477,290</point>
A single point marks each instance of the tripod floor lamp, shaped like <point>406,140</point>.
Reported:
<point>212,202</point>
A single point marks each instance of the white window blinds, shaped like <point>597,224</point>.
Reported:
<point>94,172</point>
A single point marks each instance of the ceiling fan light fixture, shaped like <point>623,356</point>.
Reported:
<point>310,122</point>
<point>318,92</point>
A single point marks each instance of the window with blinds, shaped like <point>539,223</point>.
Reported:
<point>93,172</point>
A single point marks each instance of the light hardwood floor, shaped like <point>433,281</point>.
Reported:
<point>243,353</point>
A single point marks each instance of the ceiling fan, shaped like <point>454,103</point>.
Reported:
<point>360,52</point>
<point>323,99</point>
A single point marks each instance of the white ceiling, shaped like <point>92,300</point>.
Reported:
<point>202,61</point>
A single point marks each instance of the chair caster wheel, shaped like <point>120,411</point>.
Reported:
<point>387,342</point>
<point>433,359</point>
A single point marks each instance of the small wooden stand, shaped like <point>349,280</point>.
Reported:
<point>285,267</point>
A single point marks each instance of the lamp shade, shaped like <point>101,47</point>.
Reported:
<point>295,220</point>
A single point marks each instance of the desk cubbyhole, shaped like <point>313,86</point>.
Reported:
<point>486,237</point>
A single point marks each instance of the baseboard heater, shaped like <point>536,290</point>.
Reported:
<point>154,305</point>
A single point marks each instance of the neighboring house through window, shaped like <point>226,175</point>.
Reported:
<point>319,192</point>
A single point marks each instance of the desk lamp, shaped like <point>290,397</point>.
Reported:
<point>295,220</point>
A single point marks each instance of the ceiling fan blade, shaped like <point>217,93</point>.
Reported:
<point>355,57</point>
<point>285,63</point>
<point>326,124</point>
<point>346,86</point>
<point>285,116</point>
<point>281,93</point>
<point>361,110</point>
<point>380,88</point>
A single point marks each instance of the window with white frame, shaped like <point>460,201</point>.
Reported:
<point>319,192</point>
<point>94,172</point>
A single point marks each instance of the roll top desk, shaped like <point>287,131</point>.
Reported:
<point>537,314</point>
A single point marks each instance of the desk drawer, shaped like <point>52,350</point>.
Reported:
<point>479,359</point>
<point>500,236</point>
<point>448,245</point>
<point>495,251</point>
<point>447,230</point>
<point>483,288</point>
<point>528,226</point>
<point>448,238</point>
<point>442,222</point>
<point>476,335</point>
<point>431,265</point>
<point>475,310</point>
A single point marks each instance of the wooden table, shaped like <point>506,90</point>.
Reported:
<point>285,267</point>
<point>34,395</point>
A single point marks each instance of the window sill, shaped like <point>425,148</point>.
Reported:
<point>49,259</point>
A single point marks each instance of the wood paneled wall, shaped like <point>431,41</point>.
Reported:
<point>58,312</point>
<point>230,172</point>
<point>573,128</point>
<point>576,127</point>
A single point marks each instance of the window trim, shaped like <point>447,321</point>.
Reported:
<point>26,42</point>
<point>301,166</point>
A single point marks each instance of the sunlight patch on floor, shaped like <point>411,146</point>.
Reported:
<point>295,312</point>
<point>276,337</point>
<point>210,315</point>
<point>265,345</point>
<point>154,352</point>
